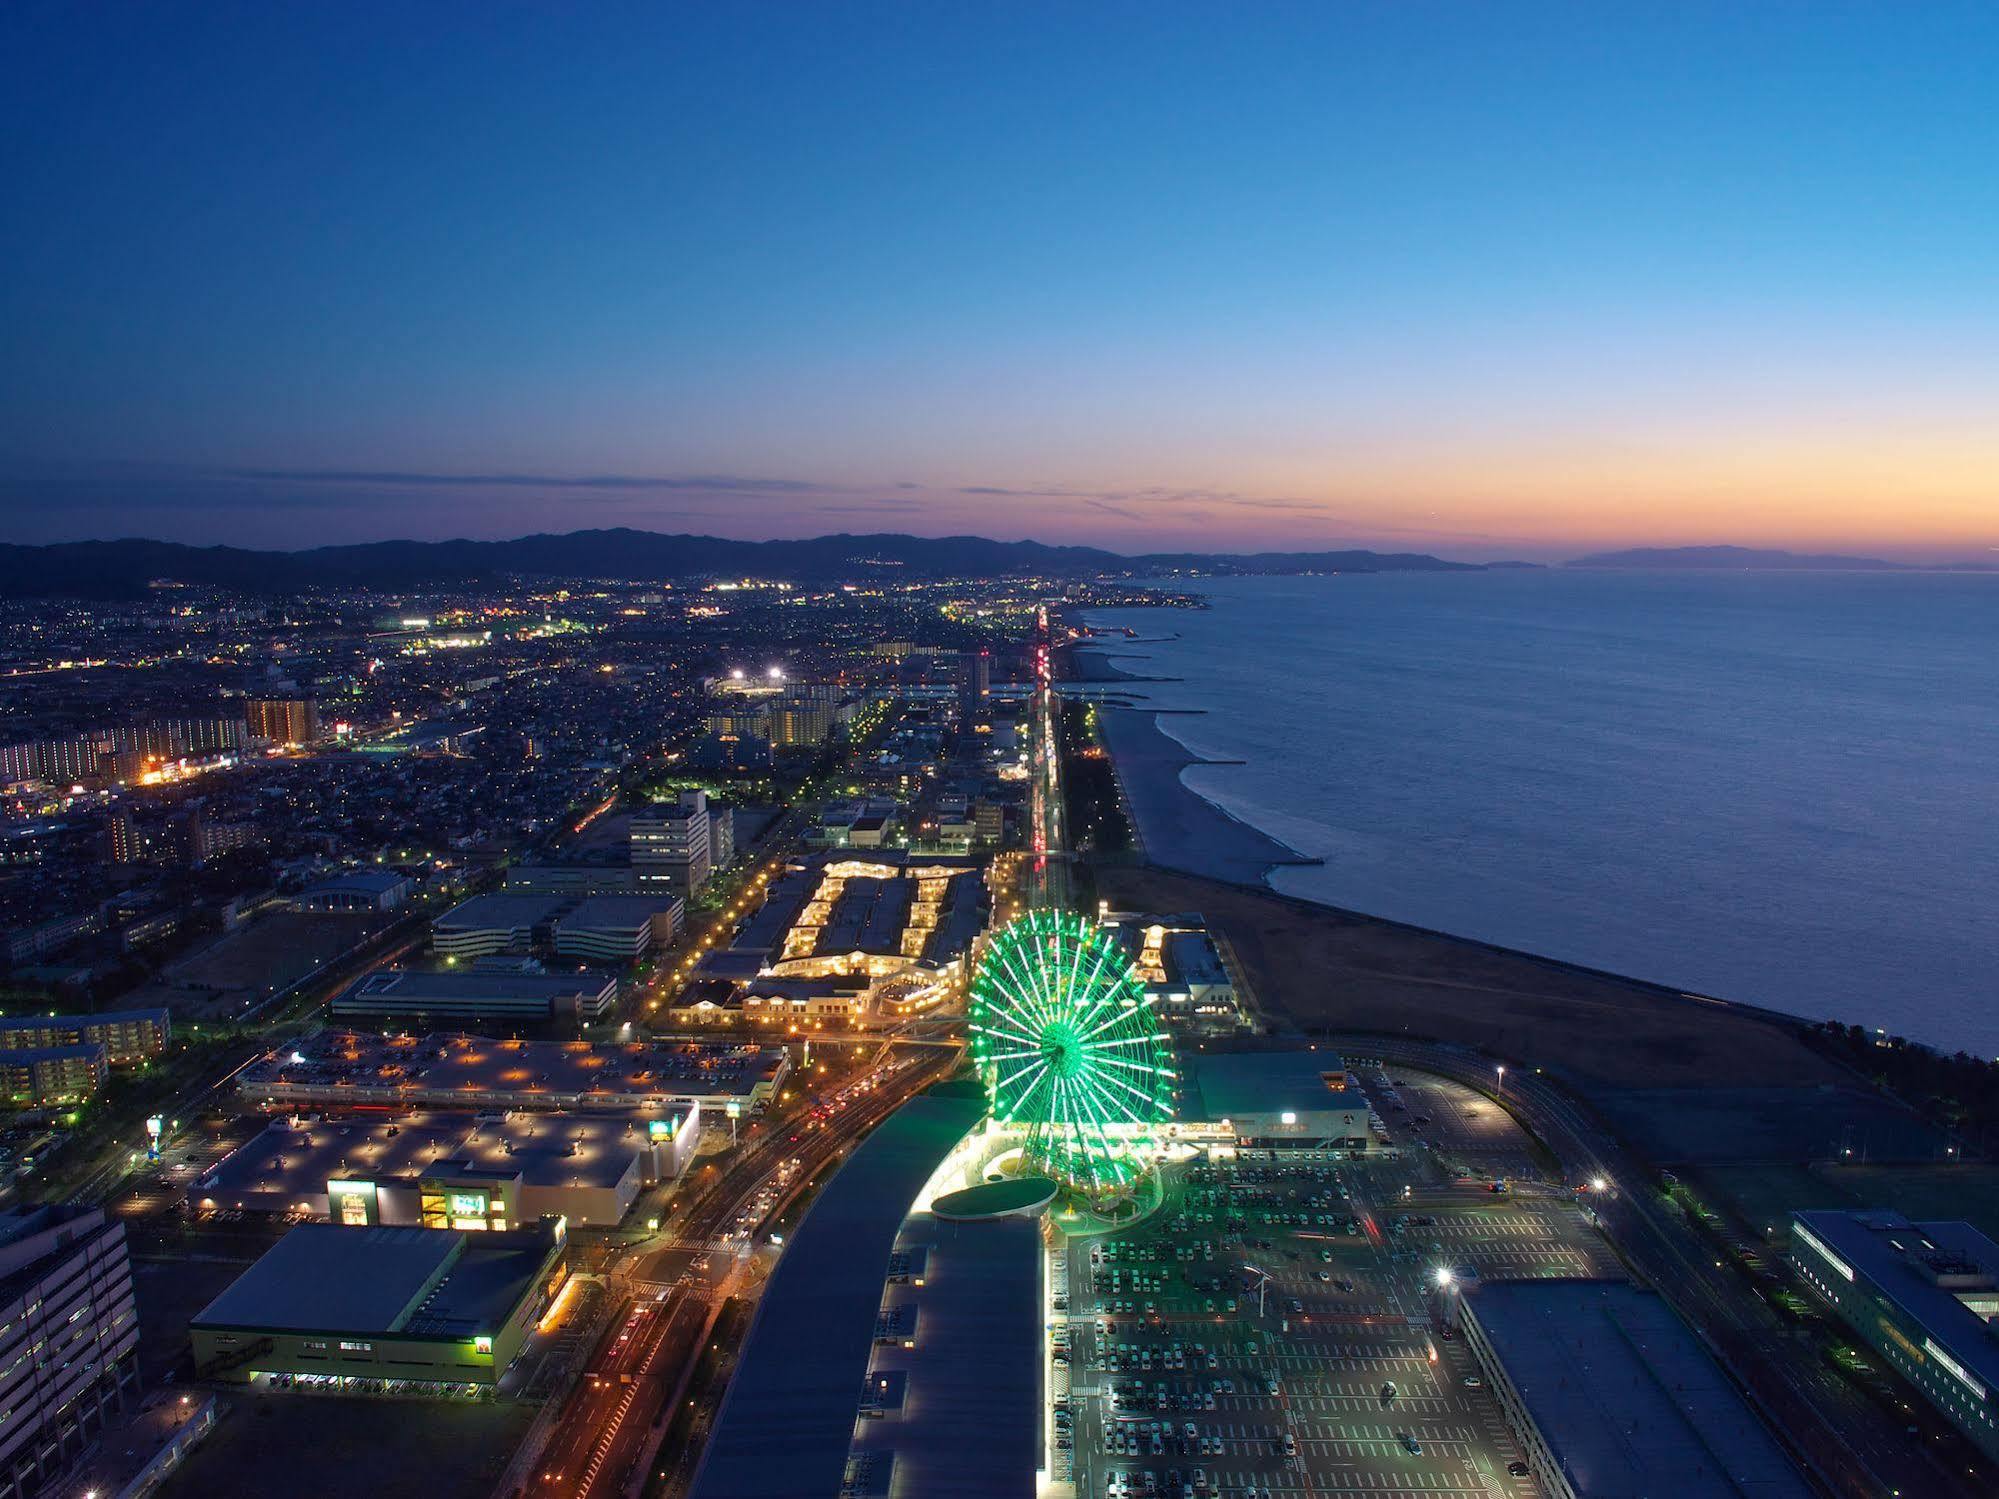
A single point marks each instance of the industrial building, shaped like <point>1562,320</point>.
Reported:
<point>506,994</point>
<point>1272,1100</point>
<point>893,1353</point>
<point>338,1069</point>
<point>453,1170</point>
<point>1612,1396</point>
<point>69,1331</point>
<point>1919,1294</point>
<point>384,1310</point>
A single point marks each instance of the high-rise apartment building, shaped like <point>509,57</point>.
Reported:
<point>69,1334</point>
<point>975,683</point>
<point>282,720</point>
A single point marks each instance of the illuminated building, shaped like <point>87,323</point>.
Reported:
<point>283,720</point>
<point>331,1308</point>
<point>69,1331</point>
<point>125,1035</point>
<point>1922,1295</point>
<point>671,846</point>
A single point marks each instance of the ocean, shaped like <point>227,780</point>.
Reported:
<point>1779,788</point>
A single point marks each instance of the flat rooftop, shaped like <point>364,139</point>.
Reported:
<point>501,911</point>
<point>436,1068</point>
<point>544,1150</point>
<point>1625,1396</point>
<point>787,1422</point>
<point>972,1383</point>
<point>1904,1260</point>
<point>412,985</point>
<point>617,912</point>
<point>416,1282</point>
<point>1221,1085</point>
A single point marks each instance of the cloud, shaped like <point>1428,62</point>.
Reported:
<point>402,478</point>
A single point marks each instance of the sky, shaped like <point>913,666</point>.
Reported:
<point>1479,279</point>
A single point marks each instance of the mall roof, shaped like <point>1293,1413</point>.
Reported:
<point>544,1150</point>
<point>1221,1085</point>
<point>969,1420</point>
<point>1625,1397</point>
<point>787,1422</point>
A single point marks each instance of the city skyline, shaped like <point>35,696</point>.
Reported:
<point>1488,285</point>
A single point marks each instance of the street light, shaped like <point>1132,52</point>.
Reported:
<point>1502,1079</point>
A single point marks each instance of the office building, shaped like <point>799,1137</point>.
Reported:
<point>410,1311</point>
<point>570,879</point>
<point>672,849</point>
<point>523,998</point>
<point>69,1331</point>
<point>1922,1296</point>
<point>125,1035</point>
<point>617,928</point>
<point>488,924</point>
<point>282,720</point>
<point>975,684</point>
<point>1612,1396</point>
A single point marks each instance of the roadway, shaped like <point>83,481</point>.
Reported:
<point>670,1289</point>
<point>1855,1447</point>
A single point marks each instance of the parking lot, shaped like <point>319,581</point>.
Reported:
<point>1279,1327</point>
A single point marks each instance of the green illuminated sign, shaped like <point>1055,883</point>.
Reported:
<point>468,1204</point>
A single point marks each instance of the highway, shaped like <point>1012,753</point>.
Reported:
<point>1854,1446</point>
<point>666,1292</point>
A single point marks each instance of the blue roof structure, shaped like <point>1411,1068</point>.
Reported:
<point>787,1422</point>
<point>1625,1397</point>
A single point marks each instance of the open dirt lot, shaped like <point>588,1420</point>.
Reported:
<point>1317,967</point>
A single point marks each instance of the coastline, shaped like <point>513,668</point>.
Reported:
<point>1181,832</point>
<point>1176,827</point>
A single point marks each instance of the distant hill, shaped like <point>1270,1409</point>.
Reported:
<point>123,569</point>
<point>1733,557</point>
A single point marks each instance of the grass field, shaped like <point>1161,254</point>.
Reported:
<point>1765,1195</point>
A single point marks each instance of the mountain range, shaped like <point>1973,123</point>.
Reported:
<point>1759,559</point>
<point>124,569</point>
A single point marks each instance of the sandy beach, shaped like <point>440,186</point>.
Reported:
<point>1177,827</point>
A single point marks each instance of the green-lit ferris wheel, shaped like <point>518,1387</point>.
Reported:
<point>1068,1047</point>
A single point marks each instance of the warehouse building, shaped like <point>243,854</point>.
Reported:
<point>1922,1295</point>
<point>407,1311</point>
<point>357,890</point>
<point>450,1170</point>
<point>1612,1396</point>
<point>506,995</point>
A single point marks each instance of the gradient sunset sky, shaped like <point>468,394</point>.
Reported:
<point>1481,279</point>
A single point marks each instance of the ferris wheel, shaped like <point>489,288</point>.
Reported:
<point>1068,1046</point>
